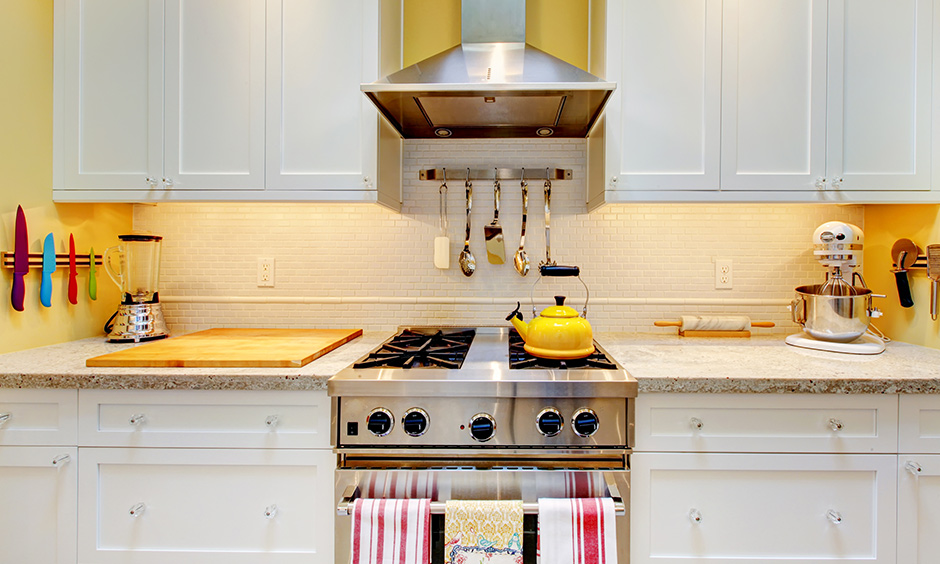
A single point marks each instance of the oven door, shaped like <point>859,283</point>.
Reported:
<point>475,478</point>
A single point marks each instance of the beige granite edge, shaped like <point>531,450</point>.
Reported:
<point>787,386</point>
<point>164,382</point>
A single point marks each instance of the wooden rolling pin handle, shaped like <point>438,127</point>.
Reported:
<point>667,323</point>
<point>762,324</point>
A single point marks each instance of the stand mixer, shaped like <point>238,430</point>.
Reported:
<point>836,315</point>
<point>140,316</point>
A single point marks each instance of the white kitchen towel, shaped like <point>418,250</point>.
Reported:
<point>577,531</point>
<point>391,531</point>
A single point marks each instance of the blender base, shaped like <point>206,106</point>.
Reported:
<point>866,344</point>
<point>135,323</point>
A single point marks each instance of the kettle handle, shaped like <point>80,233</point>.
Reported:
<point>559,271</point>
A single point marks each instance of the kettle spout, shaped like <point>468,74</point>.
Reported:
<point>516,319</point>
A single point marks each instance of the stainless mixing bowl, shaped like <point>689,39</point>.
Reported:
<point>840,319</point>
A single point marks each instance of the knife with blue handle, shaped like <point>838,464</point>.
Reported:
<point>48,267</point>
<point>20,260</point>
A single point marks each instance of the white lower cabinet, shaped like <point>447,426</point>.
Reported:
<point>206,506</point>
<point>37,504</point>
<point>754,508</point>
<point>918,509</point>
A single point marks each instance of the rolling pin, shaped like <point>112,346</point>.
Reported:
<point>714,325</point>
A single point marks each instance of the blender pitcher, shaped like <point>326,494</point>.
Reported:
<point>139,267</point>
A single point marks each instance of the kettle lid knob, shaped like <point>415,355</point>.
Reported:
<point>559,300</point>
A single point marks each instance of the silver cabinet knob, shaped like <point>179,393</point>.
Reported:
<point>695,516</point>
<point>138,509</point>
<point>272,421</point>
<point>837,183</point>
<point>834,516</point>
<point>4,417</point>
<point>60,460</point>
<point>137,419</point>
<point>820,183</point>
<point>913,467</point>
<point>152,182</point>
<point>696,423</point>
<point>835,424</point>
<point>167,182</point>
<point>270,511</point>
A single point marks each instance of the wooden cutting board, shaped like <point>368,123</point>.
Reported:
<point>228,348</point>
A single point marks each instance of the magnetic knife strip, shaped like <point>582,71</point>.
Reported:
<point>35,260</point>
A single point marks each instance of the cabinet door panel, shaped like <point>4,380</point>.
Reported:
<point>37,522</point>
<point>206,505</point>
<point>669,95</point>
<point>320,123</point>
<point>919,418</point>
<point>918,509</point>
<point>773,94</point>
<point>215,94</point>
<point>755,508</point>
<point>110,101</point>
<point>879,94</point>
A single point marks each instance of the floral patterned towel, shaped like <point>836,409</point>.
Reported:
<point>483,532</point>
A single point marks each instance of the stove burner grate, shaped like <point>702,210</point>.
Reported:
<point>519,358</point>
<point>421,349</point>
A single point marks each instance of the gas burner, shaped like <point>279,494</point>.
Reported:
<point>421,348</point>
<point>520,359</point>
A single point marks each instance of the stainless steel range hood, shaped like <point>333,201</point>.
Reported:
<point>492,85</point>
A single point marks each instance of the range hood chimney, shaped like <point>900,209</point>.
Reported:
<point>492,85</point>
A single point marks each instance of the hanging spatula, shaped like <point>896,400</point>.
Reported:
<point>493,233</point>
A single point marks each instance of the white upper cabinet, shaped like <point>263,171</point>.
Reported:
<point>773,89</point>
<point>664,115</point>
<point>766,100</point>
<point>214,84</point>
<point>879,94</point>
<point>175,100</point>
<point>108,94</point>
<point>319,51</point>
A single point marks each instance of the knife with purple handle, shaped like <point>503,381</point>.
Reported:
<point>20,260</point>
<point>48,267</point>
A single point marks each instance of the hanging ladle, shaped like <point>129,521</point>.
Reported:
<point>467,263</point>
<point>520,260</point>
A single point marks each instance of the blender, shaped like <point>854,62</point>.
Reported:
<point>140,316</point>
<point>836,315</point>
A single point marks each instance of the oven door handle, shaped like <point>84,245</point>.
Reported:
<point>352,493</point>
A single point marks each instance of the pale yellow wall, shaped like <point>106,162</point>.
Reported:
<point>885,224</point>
<point>559,27</point>
<point>26,179</point>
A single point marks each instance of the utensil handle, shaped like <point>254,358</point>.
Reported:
<point>548,221</point>
<point>73,287</point>
<point>469,187</point>
<point>559,271</point>
<point>525,211</point>
<point>19,290</point>
<point>904,288</point>
<point>45,289</point>
<point>934,286</point>
<point>496,190</point>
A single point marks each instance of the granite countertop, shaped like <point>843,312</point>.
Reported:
<point>661,364</point>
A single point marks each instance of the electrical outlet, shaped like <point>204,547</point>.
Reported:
<point>265,272</point>
<point>723,274</point>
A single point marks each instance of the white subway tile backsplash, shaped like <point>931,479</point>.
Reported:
<point>345,265</point>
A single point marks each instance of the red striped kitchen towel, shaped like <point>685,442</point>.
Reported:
<point>577,531</point>
<point>391,531</point>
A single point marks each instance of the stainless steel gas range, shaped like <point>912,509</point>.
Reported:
<point>466,413</point>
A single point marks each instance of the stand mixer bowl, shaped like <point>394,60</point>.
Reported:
<point>839,319</point>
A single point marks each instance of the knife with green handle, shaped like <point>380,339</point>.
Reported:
<point>48,267</point>
<point>92,273</point>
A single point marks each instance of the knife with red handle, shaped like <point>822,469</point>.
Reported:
<point>73,273</point>
<point>20,260</point>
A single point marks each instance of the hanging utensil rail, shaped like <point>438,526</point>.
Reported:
<point>61,259</point>
<point>532,173</point>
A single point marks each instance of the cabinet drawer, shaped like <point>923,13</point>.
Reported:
<point>919,424</point>
<point>750,509</point>
<point>38,417</point>
<point>186,418</point>
<point>206,506</point>
<point>766,423</point>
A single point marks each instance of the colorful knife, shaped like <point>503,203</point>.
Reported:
<point>92,271</point>
<point>73,274</point>
<point>48,267</point>
<point>20,260</point>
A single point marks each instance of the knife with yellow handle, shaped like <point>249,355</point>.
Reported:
<point>92,272</point>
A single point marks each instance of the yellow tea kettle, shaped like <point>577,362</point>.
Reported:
<point>559,332</point>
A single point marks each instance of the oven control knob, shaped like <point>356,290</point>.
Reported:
<point>584,422</point>
<point>415,422</point>
<point>482,427</point>
<point>380,422</point>
<point>549,422</point>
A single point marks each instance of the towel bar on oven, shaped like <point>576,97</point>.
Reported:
<point>344,507</point>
